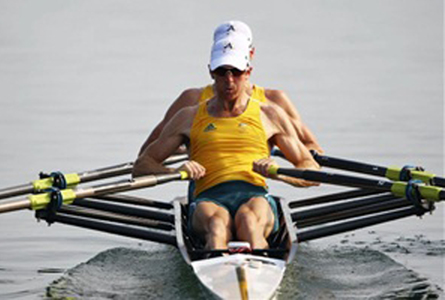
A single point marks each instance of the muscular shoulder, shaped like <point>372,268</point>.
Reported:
<point>185,115</point>
<point>272,111</point>
<point>281,98</point>
<point>275,95</point>
<point>275,120</point>
<point>189,97</point>
<point>278,97</point>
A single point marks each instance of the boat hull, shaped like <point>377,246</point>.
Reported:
<point>240,276</point>
<point>255,275</point>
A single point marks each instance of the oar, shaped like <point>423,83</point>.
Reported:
<point>67,196</point>
<point>398,188</point>
<point>343,211</point>
<point>333,197</point>
<point>392,173</point>
<point>115,217</point>
<point>119,229</point>
<point>63,181</point>
<point>352,225</point>
<point>125,209</point>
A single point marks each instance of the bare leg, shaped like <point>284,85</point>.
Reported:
<point>254,222</point>
<point>214,222</point>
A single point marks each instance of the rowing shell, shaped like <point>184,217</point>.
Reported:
<point>255,275</point>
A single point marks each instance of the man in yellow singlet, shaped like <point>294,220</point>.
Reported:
<point>229,139</point>
<point>193,96</point>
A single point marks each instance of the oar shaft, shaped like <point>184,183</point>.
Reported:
<point>352,213</point>
<point>127,199</point>
<point>118,229</point>
<point>393,173</point>
<point>348,165</point>
<point>76,178</point>
<point>14,205</point>
<point>107,172</point>
<point>175,159</point>
<point>329,230</point>
<point>123,169</point>
<point>114,217</point>
<point>321,211</point>
<point>16,191</point>
<point>398,188</point>
<point>126,185</point>
<point>67,196</point>
<point>333,197</point>
<point>337,179</point>
<point>439,181</point>
<point>127,210</point>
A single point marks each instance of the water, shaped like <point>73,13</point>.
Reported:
<point>83,82</point>
<point>135,274</point>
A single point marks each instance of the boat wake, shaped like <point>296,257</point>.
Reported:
<point>342,272</point>
<point>122,273</point>
<point>350,272</point>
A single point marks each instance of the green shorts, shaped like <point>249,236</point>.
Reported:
<point>231,195</point>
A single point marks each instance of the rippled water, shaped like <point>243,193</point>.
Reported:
<point>341,272</point>
<point>83,82</point>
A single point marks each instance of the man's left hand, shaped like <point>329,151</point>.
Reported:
<point>263,165</point>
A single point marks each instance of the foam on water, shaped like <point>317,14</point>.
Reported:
<point>347,272</point>
<point>130,274</point>
<point>343,272</point>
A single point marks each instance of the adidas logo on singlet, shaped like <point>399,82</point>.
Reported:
<point>210,127</point>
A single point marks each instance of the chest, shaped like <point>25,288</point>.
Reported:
<point>225,130</point>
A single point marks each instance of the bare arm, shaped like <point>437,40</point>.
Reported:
<point>304,133</point>
<point>187,98</point>
<point>175,133</point>
<point>280,133</point>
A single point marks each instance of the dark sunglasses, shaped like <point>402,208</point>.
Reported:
<point>221,71</point>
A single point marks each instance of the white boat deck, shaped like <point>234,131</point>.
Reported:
<point>221,276</point>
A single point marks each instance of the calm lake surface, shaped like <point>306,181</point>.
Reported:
<point>82,83</point>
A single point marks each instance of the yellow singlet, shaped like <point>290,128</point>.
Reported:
<point>258,93</point>
<point>227,147</point>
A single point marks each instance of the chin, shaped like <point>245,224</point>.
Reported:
<point>230,96</point>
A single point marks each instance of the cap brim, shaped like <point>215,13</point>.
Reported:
<point>237,62</point>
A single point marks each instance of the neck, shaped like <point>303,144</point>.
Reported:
<point>220,107</point>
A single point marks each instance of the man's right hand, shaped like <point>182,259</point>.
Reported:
<point>194,169</point>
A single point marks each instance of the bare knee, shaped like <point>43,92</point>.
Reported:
<point>255,218</point>
<point>212,222</point>
<point>217,227</point>
<point>208,217</point>
<point>247,224</point>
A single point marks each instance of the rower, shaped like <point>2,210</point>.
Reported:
<point>229,136</point>
<point>194,96</point>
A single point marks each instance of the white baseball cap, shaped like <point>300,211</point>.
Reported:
<point>231,51</point>
<point>233,27</point>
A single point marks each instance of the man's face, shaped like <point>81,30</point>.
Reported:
<point>230,82</point>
